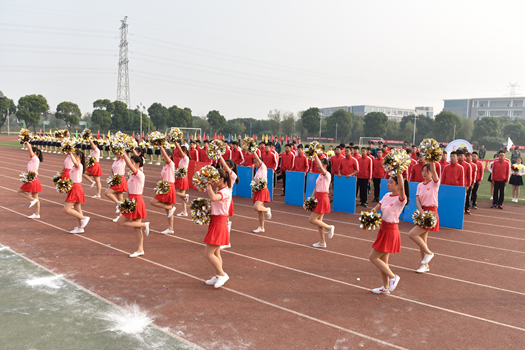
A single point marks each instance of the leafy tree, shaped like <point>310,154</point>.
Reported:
<point>159,115</point>
<point>407,132</point>
<point>30,109</point>
<point>201,122</point>
<point>358,126</point>
<point>343,120</point>
<point>376,124</point>
<point>393,131</point>
<point>102,113</point>
<point>516,132</point>
<point>487,126</point>
<point>69,112</point>
<point>120,118</point>
<point>178,117</point>
<point>310,119</point>
<point>135,121</point>
<point>232,128</point>
<point>288,123</point>
<point>7,106</point>
<point>444,126</point>
<point>216,120</point>
<point>465,131</point>
<point>275,121</point>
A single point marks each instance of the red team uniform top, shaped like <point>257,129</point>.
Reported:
<point>300,163</point>
<point>313,164</point>
<point>479,166</point>
<point>415,173</point>
<point>365,168</point>
<point>194,154</point>
<point>501,170</point>
<point>378,171</point>
<point>270,159</point>
<point>474,172</point>
<point>348,166</point>
<point>203,156</point>
<point>227,154</point>
<point>336,162</point>
<point>467,173</point>
<point>248,158</point>
<point>237,156</point>
<point>287,161</point>
<point>453,175</point>
<point>442,163</point>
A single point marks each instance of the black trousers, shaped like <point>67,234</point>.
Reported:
<point>283,175</point>
<point>377,187</point>
<point>362,185</point>
<point>467,198</point>
<point>499,192</point>
<point>474,195</point>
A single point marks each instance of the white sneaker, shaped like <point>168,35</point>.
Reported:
<point>171,212</point>
<point>491,197</point>
<point>226,246</point>
<point>182,214</point>
<point>229,223</point>
<point>258,229</point>
<point>150,163</point>
<point>118,211</point>
<point>108,158</point>
<point>319,245</point>
<point>146,229</point>
<point>157,164</point>
<point>427,258</point>
<point>134,255</point>
<point>33,202</point>
<point>84,222</point>
<point>393,283</point>
<point>331,231</point>
<point>221,280</point>
<point>380,290</point>
<point>92,184</point>
<point>33,216</point>
<point>187,198</point>
<point>168,231</point>
<point>423,269</point>
<point>269,214</point>
<point>96,196</point>
<point>211,281</point>
<point>77,230</point>
<point>116,219</point>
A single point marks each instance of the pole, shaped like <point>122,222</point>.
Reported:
<point>414,137</point>
<point>336,132</point>
<point>320,120</point>
<point>454,132</point>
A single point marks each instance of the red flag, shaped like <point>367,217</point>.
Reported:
<point>147,137</point>
<point>98,134</point>
<point>286,138</point>
<point>133,135</point>
<point>143,134</point>
<point>272,139</point>
<point>254,137</point>
<point>215,136</point>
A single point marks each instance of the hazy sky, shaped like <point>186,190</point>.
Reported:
<point>245,58</point>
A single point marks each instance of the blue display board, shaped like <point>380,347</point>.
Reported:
<point>451,206</point>
<point>243,188</point>
<point>344,194</point>
<point>294,190</point>
<point>311,178</point>
<point>412,206</point>
<point>270,182</point>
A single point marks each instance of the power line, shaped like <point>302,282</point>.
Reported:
<point>123,72</point>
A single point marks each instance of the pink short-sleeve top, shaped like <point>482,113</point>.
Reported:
<point>261,172</point>
<point>167,172</point>
<point>184,162</point>
<point>33,164</point>
<point>222,207</point>
<point>76,174</point>
<point>233,179</point>
<point>119,167</point>
<point>391,207</point>
<point>428,193</point>
<point>68,163</point>
<point>95,153</point>
<point>136,183</point>
<point>323,183</point>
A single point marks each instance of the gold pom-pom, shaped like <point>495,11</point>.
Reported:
<point>249,145</point>
<point>310,203</point>
<point>430,151</point>
<point>395,163</point>
<point>216,149</point>
<point>258,185</point>
<point>57,177</point>
<point>28,177</point>
<point>64,132</point>
<point>314,148</point>
<point>64,186</point>
<point>370,220</point>
<point>68,145</point>
<point>200,211</point>
<point>207,175</point>
<point>86,134</point>
<point>175,134</point>
<point>25,136</point>
<point>162,187</point>
<point>114,180</point>
<point>157,139</point>
<point>127,205</point>
<point>91,162</point>
<point>181,172</point>
<point>429,219</point>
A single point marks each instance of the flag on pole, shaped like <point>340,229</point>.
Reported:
<point>229,137</point>
<point>509,144</point>
<point>76,134</point>
<point>98,134</point>
<point>133,135</point>
<point>215,136</point>
<point>109,133</point>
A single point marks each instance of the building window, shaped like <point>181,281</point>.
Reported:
<point>481,113</point>
<point>517,113</point>
<point>517,103</point>
<point>483,103</point>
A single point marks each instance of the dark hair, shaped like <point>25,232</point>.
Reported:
<point>185,150</point>
<point>226,176</point>
<point>300,146</point>
<point>339,147</point>
<point>235,143</point>
<point>427,165</point>
<point>38,153</point>
<point>82,159</point>
<point>262,143</point>
<point>351,144</point>
<point>454,152</point>
<point>476,153</point>
<point>206,141</point>
<point>169,152</point>
<point>418,154</point>
<point>140,150</point>
<point>328,164</point>
<point>460,151</point>
<point>349,147</point>
<point>138,159</point>
<point>407,188</point>
<point>409,150</point>
<point>233,167</point>
<point>192,142</point>
<point>502,151</point>
<point>288,145</point>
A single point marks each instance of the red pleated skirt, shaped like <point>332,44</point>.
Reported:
<point>388,239</point>
<point>140,212</point>
<point>32,187</point>
<point>123,187</point>
<point>76,195</point>
<point>65,174</point>
<point>323,203</point>
<point>262,195</point>
<point>435,210</point>
<point>217,231</point>
<point>182,184</point>
<point>94,170</point>
<point>170,197</point>
<point>230,211</point>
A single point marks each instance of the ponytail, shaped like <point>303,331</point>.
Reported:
<point>82,159</point>
<point>233,167</point>
<point>38,153</point>
<point>407,191</point>
<point>226,176</point>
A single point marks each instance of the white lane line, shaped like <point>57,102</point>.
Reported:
<point>376,340</point>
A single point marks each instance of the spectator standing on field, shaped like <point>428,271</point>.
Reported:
<point>500,178</point>
<point>515,155</point>
<point>482,152</point>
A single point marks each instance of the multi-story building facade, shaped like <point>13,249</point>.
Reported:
<point>391,112</point>
<point>475,108</point>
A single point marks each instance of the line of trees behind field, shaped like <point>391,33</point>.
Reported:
<point>107,115</point>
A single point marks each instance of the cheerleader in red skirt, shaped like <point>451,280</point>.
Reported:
<point>218,229</point>
<point>68,164</point>
<point>183,184</point>
<point>263,196</point>
<point>322,187</point>
<point>94,171</point>
<point>30,190</point>
<point>426,199</point>
<point>231,168</point>
<point>167,201</point>
<point>388,239</point>
<point>136,187</point>
<point>76,196</point>
<point>115,193</point>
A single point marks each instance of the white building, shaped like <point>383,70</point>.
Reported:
<point>475,108</point>
<point>391,112</point>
